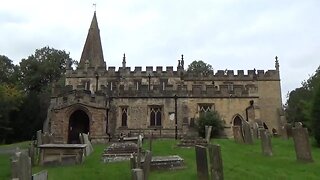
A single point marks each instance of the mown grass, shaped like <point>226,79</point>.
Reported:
<point>239,161</point>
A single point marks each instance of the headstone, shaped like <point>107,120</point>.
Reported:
<point>146,164</point>
<point>289,130</point>
<point>137,174</point>
<point>237,134</point>
<point>284,133</point>
<point>247,133</point>
<point>216,165</point>
<point>202,163</point>
<point>42,175</point>
<point>298,125</point>
<point>139,151</point>
<point>31,152</point>
<point>255,130</point>
<point>302,145</point>
<point>21,166</point>
<point>81,138</point>
<point>39,137</point>
<point>208,133</point>
<point>133,162</point>
<point>89,148</point>
<point>265,142</point>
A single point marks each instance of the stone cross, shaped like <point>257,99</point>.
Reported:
<point>202,163</point>
<point>302,145</point>
<point>216,165</point>
<point>265,142</point>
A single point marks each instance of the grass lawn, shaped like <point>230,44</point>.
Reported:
<point>240,162</point>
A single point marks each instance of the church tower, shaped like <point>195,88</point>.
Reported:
<point>92,54</point>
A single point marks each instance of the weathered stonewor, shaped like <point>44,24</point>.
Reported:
<point>89,148</point>
<point>216,165</point>
<point>137,174</point>
<point>208,130</point>
<point>31,152</point>
<point>21,166</point>
<point>237,134</point>
<point>202,163</point>
<point>47,138</point>
<point>247,133</point>
<point>265,142</point>
<point>146,164</point>
<point>39,137</point>
<point>298,125</point>
<point>119,151</point>
<point>166,162</point>
<point>42,175</point>
<point>302,145</point>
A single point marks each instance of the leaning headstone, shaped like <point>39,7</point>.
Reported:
<point>216,165</point>
<point>89,148</point>
<point>21,166</point>
<point>42,175</point>
<point>265,142</point>
<point>247,133</point>
<point>202,163</point>
<point>39,137</point>
<point>208,133</point>
<point>137,174</point>
<point>237,134</point>
<point>302,145</point>
<point>255,130</point>
<point>146,164</point>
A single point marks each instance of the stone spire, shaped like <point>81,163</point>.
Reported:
<point>277,63</point>
<point>124,61</point>
<point>92,50</point>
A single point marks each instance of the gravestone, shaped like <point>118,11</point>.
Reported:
<point>298,125</point>
<point>202,163</point>
<point>247,133</point>
<point>31,152</point>
<point>237,134</point>
<point>255,130</point>
<point>146,164</point>
<point>150,141</point>
<point>137,174</point>
<point>216,165</point>
<point>21,166</point>
<point>265,142</point>
<point>288,128</point>
<point>89,148</point>
<point>42,175</point>
<point>39,137</point>
<point>119,151</point>
<point>133,161</point>
<point>302,145</point>
<point>208,130</point>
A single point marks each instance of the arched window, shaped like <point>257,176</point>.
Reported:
<point>237,120</point>
<point>124,116</point>
<point>155,116</point>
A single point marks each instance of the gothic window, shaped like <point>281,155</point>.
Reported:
<point>124,116</point>
<point>155,116</point>
<point>203,108</point>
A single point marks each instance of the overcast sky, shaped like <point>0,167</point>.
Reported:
<point>228,34</point>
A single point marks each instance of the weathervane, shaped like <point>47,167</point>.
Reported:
<point>95,6</point>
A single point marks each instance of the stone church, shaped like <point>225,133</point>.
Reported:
<point>105,101</point>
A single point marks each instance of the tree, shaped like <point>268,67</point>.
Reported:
<point>8,71</point>
<point>46,66</point>
<point>200,67</point>
<point>210,119</point>
<point>10,100</point>
<point>299,104</point>
<point>315,115</point>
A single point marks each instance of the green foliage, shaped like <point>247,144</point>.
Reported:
<point>200,67</point>
<point>315,116</point>
<point>210,119</point>
<point>299,104</point>
<point>44,67</point>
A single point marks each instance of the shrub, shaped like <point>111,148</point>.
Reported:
<point>315,115</point>
<point>210,119</point>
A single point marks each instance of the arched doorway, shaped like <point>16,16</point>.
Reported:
<point>78,123</point>
<point>237,121</point>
